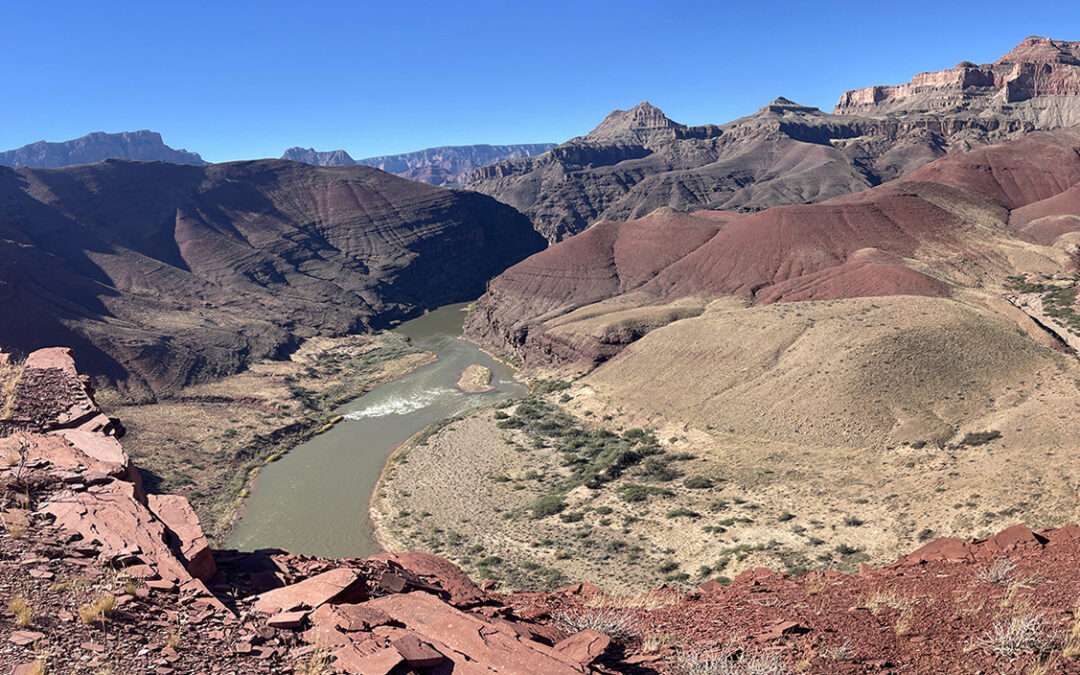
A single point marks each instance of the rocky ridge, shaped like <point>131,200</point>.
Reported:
<point>142,145</point>
<point>112,578</point>
<point>638,160</point>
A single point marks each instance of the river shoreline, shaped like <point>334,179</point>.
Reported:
<point>310,501</point>
<point>251,483</point>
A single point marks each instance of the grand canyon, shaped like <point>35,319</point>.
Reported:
<point>794,392</point>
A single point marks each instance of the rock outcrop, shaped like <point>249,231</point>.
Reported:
<point>162,275</point>
<point>638,160</point>
<point>142,145</point>
<point>1036,82</point>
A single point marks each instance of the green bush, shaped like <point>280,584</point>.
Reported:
<point>698,483</point>
<point>548,505</point>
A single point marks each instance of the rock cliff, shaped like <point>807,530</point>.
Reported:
<point>447,165</point>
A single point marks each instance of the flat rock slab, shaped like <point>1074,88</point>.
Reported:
<point>416,652</point>
<point>380,662</point>
<point>286,620</point>
<point>22,638</point>
<point>584,647</point>
<point>340,585</point>
<point>472,644</point>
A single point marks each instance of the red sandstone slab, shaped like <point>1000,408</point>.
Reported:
<point>339,585</point>
<point>584,647</point>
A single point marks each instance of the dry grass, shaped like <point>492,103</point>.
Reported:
<point>1042,666</point>
<point>97,611</point>
<point>649,600</point>
<point>902,626</point>
<point>21,610</point>
<point>10,374</point>
<point>1018,634</point>
<point>730,661</point>
<point>15,530</point>
<point>173,641</point>
<point>317,663</point>
<point>999,572</point>
<point>879,602</point>
<point>616,623</point>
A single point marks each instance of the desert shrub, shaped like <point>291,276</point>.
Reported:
<point>635,492</point>
<point>572,517</point>
<point>548,505</point>
<point>682,512</point>
<point>618,624</point>
<point>975,438</point>
<point>698,483</point>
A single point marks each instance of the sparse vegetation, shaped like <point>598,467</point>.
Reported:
<point>998,572</point>
<point>22,612</point>
<point>618,624</point>
<point>98,610</point>
<point>976,438</point>
<point>730,661</point>
<point>1015,635</point>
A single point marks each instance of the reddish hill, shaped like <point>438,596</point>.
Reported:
<point>891,240</point>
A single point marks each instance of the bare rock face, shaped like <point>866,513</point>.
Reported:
<point>638,160</point>
<point>143,145</point>
<point>161,275</point>
<point>1037,81</point>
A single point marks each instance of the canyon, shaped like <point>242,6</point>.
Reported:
<point>802,395</point>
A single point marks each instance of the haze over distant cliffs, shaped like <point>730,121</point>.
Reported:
<point>638,160</point>
<point>446,165</point>
<point>161,275</point>
<point>134,145</point>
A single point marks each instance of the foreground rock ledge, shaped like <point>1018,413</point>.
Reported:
<point>74,509</point>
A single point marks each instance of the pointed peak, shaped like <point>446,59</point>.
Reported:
<point>781,105</point>
<point>643,123</point>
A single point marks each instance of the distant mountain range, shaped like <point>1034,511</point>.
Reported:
<point>98,146</point>
<point>446,165</point>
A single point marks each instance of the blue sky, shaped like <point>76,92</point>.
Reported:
<point>237,80</point>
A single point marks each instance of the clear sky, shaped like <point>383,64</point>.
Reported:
<point>238,80</point>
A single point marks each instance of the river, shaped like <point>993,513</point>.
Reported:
<point>314,500</point>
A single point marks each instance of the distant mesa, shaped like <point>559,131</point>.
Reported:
<point>316,158</point>
<point>1038,67</point>
<point>142,145</point>
<point>447,165</point>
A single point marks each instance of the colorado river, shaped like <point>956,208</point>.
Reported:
<point>314,500</point>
